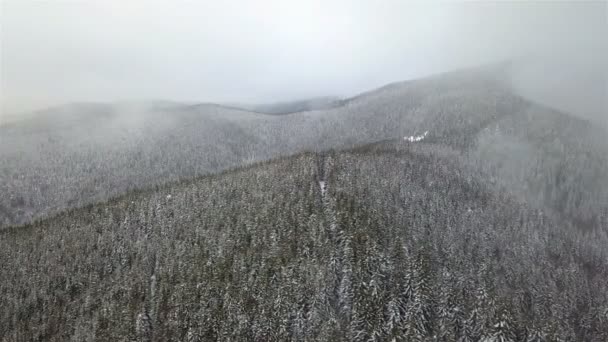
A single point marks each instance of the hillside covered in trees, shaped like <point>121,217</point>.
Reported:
<point>394,241</point>
<point>80,154</point>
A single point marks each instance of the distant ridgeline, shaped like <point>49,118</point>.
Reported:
<point>395,241</point>
<point>79,154</point>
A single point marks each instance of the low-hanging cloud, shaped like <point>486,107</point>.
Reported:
<point>265,51</point>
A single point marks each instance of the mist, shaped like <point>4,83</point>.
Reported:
<point>271,51</point>
<point>323,170</point>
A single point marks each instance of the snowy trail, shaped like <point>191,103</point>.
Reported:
<point>323,187</point>
<point>322,166</point>
<point>326,202</point>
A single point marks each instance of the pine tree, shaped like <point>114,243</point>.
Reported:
<point>501,331</point>
<point>144,327</point>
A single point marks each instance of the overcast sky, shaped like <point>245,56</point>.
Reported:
<point>54,52</point>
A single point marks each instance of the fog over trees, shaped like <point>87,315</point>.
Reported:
<point>321,171</point>
<point>403,242</point>
<point>442,209</point>
<point>82,153</point>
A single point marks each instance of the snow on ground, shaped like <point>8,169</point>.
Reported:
<point>416,138</point>
<point>323,187</point>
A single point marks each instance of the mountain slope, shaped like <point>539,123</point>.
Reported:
<point>73,156</point>
<point>282,108</point>
<point>405,241</point>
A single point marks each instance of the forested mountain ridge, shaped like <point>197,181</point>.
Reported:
<point>290,107</point>
<point>85,153</point>
<point>391,241</point>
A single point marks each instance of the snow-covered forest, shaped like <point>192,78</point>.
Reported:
<point>443,209</point>
<point>303,170</point>
<point>79,154</point>
<point>406,243</point>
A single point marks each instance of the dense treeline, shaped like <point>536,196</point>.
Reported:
<point>529,266</point>
<point>405,242</point>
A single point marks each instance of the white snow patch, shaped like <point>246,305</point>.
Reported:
<point>323,187</point>
<point>416,138</point>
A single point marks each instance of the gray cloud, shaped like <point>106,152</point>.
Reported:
<point>263,51</point>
